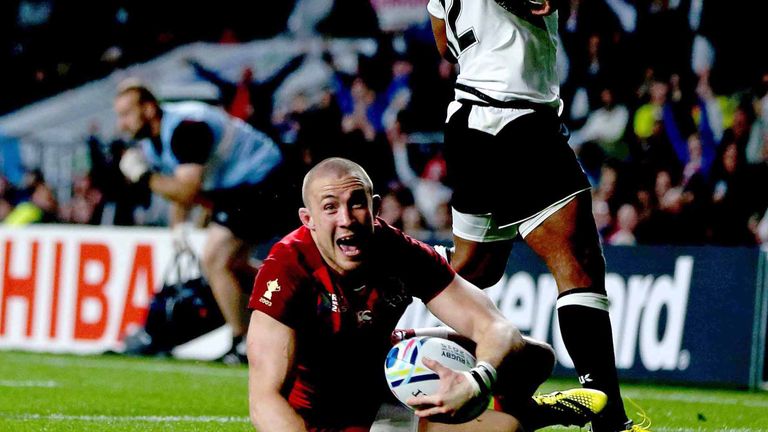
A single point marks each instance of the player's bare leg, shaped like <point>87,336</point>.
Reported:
<point>489,421</point>
<point>221,252</point>
<point>483,264</point>
<point>568,243</point>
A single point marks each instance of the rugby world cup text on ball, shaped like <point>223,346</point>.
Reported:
<point>454,353</point>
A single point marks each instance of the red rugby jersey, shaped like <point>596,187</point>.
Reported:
<point>343,332</point>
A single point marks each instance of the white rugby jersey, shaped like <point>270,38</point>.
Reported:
<point>500,54</point>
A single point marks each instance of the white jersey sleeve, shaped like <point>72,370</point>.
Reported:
<point>436,9</point>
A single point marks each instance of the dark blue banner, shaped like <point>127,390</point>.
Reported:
<point>679,314</point>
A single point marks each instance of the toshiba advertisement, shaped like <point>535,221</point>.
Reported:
<point>77,289</point>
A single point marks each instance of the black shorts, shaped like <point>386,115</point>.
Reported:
<point>259,212</point>
<point>523,169</point>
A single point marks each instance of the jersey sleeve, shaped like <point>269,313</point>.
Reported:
<point>436,9</point>
<point>192,142</point>
<point>277,289</point>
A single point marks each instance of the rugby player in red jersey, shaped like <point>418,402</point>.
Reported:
<point>329,296</point>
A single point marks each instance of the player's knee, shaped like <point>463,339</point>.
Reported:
<point>539,356</point>
<point>542,363</point>
<point>546,357</point>
<point>483,278</point>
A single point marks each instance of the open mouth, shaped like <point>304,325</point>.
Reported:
<point>349,245</point>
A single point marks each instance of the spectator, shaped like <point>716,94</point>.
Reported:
<point>85,205</point>
<point>249,99</point>
<point>6,197</point>
<point>31,179</point>
<point>698,159</point>
<point>606,127</point>
<point>392,209</point>
<point>761,229</point>
<point>365,113</point>
<point>429,193</point>
<point>626,222</point>
<point>317,129</point>
<point>732,196</point>
<point>41,207</point>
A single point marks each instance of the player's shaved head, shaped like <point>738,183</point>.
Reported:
<point>338,167</point>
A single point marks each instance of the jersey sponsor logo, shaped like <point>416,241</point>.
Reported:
<point>364,317</point>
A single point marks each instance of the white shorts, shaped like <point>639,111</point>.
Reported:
<point>483,228</point>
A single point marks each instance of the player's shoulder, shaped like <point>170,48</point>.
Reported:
<point>386,232</point>
<point>294,252</point>
<point>390,238</point>
<point>285,266</point>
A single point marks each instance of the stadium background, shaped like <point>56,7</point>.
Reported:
<point>687,275</point>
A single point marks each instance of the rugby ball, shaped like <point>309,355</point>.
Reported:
<point>407,376</point>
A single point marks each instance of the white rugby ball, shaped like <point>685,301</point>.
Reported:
<point>408,377</point>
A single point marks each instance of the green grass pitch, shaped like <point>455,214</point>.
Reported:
<point>44,392</point>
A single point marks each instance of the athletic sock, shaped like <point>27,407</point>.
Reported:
<point>237,344</point>
<point>586,330</point>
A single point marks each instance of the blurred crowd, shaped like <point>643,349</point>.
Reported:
<point>668,112</point>
<point>53,45</point>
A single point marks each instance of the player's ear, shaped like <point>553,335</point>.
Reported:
<point>306,218</point>
<point>376,204</point>
<point>150,110</point>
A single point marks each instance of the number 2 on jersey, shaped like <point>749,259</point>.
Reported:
<point>465,39</point>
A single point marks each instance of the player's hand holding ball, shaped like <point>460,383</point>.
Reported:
<point>133,165</point>
<point>439,379</point>
<point>454,392</point>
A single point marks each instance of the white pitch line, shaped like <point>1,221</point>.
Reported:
<point>666,429</point>
<point>684,397</point>
<point>672,429</point>
<point>147,419</point>
<point>243,419</point>
<point>21,383</point>
<point>180,368</point>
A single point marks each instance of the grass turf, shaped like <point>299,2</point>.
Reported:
<point>45,392</point>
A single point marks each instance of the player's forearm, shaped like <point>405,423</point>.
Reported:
<point>270,412</point>
<point>170,188</point>
<point>178,213</point>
